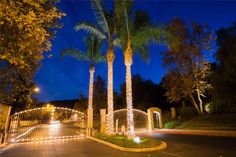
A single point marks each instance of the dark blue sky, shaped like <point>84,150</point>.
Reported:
<point>65,78</point>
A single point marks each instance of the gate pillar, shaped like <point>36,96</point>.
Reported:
<point>173,113</point>
<point>89,121</point>
<point>103,120</point>
<point>4,119</point>
<point>150,112</point>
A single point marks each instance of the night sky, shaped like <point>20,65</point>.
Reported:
<point>61,79</point>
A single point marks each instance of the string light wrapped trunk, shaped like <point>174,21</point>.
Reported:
<point>91,79</point>
<point>110,60</point>
<point>129,98</point>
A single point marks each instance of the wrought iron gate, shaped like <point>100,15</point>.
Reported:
<point>46,123</point>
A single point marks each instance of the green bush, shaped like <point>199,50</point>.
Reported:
<point>123,141</point>
<point>170,125</point>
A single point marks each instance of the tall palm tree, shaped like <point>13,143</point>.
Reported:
<point>136,34</point>
<point>105,28</point>
<point>93,55</point>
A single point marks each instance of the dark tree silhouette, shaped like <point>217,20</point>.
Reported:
<point>100,94</point>
<point>145,94</point>
<point>224,77</point>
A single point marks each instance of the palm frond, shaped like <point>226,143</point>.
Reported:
<point>99,57</point>
<point>100,15</point>
<point>146,36</point>
<point>90,28</point>
<point>75,53</point>
<point>94,49</point>
<point>117,43</point>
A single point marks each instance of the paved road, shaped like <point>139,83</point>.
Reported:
<point>53,130</point>
<point>178,146</point>
<point>197,146</point>
<point>46,131</point>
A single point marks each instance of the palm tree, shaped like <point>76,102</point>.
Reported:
<point>93,55</point>
<point>105,28</point>
<point>137,35</point>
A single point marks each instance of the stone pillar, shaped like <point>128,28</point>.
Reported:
<point>160,120</point>
<point>103,120</point>
<point>117,121</point>
<point>173,113</point>
<point>150,120</point>
<point>5,117</point>
<point>150,112</point>
<point>89,121</point>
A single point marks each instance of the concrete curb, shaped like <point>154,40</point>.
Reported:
<point>162,146</point>
<point>197,132</point>
<point>2,145</point>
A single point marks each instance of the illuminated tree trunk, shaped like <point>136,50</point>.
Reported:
<point>129,99</point>
<point>194,103</point>
<point>200,100</point>
<point>90,101</point>
<point>110,59</point>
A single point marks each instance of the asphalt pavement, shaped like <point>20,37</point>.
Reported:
<point>178,146</point>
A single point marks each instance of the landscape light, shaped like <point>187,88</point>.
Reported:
<point>137,139</point>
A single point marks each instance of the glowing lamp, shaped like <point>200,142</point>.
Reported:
<point>36,90</point>
<point>137,139</point>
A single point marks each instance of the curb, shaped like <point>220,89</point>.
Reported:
<point>2,145</point>
<point>197,132</point>
<point>162,146</point>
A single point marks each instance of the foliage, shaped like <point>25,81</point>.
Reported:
<point>100,94</point>
<point>146,94</point>
<point>26,28</point>
<point>224,72</point>
<point>123,141</point>
<point>81,104</point>
<point>186,113</point>
<point>172,124</point>
<point>106,21</point>
<point>187,68</point>
<point>93,51</point>
<point>16,85</point>
<point>141,32</point>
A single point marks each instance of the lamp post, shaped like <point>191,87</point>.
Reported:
<point>36,89</point>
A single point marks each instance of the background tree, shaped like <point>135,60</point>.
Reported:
<point>224,76</point>
<point>93,55</point>
<point>146,94</point>
<point>16,85</point>
<point>81,104</point>
<point>187,68</point>
<point>26,28</point>
<point>100,94</point>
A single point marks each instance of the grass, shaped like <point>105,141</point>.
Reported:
<point>123,141</point>
<point>211,122</point>
<point>172,124</point>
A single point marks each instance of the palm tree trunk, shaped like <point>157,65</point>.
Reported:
<point>110,59</point>
<point>129,99</point>
<point>91,72</point>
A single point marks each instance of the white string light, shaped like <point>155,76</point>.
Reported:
<point>125,110</point>
<point>19,121</point>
